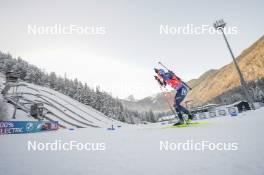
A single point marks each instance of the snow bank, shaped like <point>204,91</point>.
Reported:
<point>136,150</point>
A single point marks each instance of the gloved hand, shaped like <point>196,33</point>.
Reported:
<point>160,82</point>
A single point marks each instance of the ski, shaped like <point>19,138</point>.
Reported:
<point>190,124</point>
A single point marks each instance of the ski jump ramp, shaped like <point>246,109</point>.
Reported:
<point>67,111</point>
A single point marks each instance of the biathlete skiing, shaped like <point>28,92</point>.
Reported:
<point>169,78</point>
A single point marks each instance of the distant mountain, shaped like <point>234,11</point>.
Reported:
<point>131,98</point>
<point>155,102</point>
<point>251,63</point>
<point>195,82</point>
<point>214,84</point>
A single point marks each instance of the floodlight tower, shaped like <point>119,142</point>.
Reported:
<point>219,25</point>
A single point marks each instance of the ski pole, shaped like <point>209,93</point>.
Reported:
<point>173,110</point>
<point>160,85</point>
<point>169,105</point>
<point>168,102</point>
<point>185,84</point>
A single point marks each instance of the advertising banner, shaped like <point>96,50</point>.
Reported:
<point>17,127</point>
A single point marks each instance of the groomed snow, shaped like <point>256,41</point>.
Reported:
<point>134,150</point>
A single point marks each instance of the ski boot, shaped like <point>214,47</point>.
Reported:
<point>180,122</point>
<point>190,118</point>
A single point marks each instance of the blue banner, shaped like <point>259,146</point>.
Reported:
<point>17,127</point>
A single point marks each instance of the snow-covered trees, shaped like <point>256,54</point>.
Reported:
<point>256,90</point>
<point>96,98</point>
<point>3,111</point>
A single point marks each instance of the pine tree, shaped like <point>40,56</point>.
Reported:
<point>96,98</point>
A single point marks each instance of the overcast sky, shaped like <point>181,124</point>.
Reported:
<point>121,61</point>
